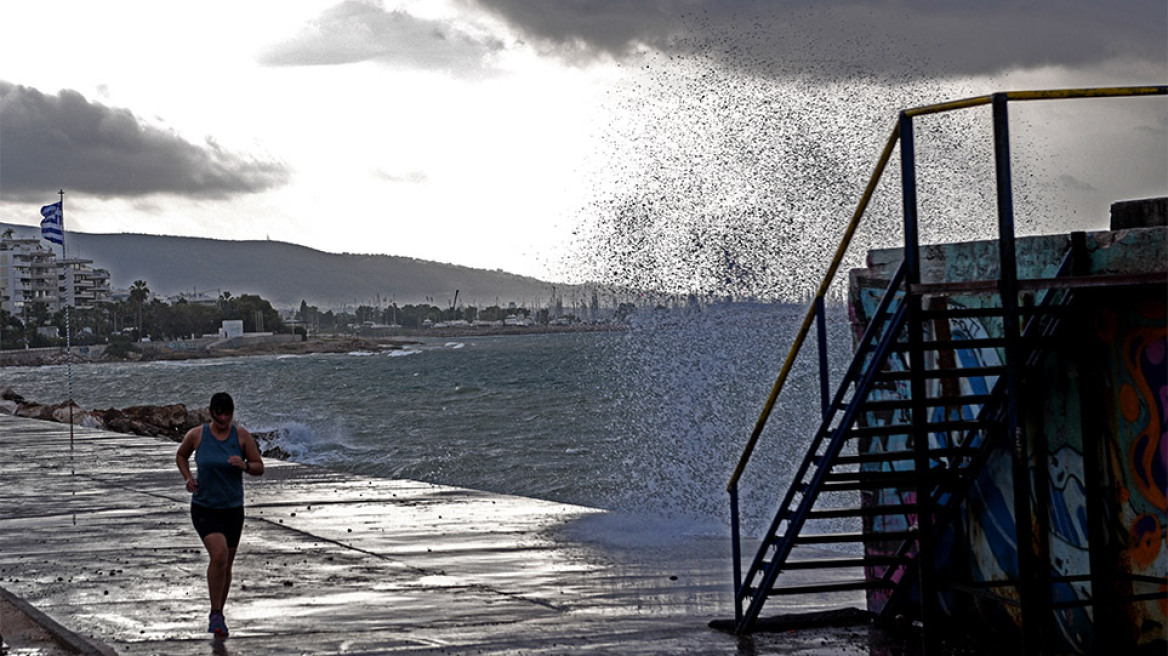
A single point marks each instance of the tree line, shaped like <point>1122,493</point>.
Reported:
<point>136,318</point>
<point>406,316</point>
<point>141,317</point>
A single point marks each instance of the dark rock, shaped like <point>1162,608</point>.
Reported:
<point>197,418</point>
<point>8,394</point>
<point>264,440</point>
<point>120,422</point>
<point>172,421</point>
<point>35,411</point>
<point>275,452</point>
<point>166,420</point>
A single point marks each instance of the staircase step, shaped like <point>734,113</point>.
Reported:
<point>970,313</point>
<point>961,313</point>
<point>896,456</point>
<point>931,402</point>
<point>858,561</point>
<point>890,482</point>
<point>937,427</point>
<point>855,536</point>
<point>833,586</point>
<point>865,511</point>
<point>954,344</point>
<point>933,474</point>
<point>959,372</point>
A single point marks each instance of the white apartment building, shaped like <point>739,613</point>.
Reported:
<point>28,274</point>
<point>82,285</point>
<point>31,273</point>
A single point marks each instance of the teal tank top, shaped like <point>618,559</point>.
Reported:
<point>220,484</point>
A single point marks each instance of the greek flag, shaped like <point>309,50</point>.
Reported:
<point>53,225</point>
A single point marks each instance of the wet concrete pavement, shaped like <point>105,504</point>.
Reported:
<point>97,536</point>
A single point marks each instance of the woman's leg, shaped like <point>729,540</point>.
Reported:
<point>218,569</point>
<point>227,577</point>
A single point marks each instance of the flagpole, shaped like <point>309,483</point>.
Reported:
<point>68,329</point>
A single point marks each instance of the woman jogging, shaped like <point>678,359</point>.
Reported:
<point>223,452</point>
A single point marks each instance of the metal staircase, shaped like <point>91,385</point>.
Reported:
<point>925,467</point>
<point>933,391</point>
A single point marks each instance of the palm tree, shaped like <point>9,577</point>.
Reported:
<point>139,292</point>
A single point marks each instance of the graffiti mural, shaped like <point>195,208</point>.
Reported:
<point>1126,362</point>
<point>1136,391</point>
<point>959,329</point>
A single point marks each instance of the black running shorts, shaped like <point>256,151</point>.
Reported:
<point>228,521</point>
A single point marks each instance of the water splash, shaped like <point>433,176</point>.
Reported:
<point>724,180</point>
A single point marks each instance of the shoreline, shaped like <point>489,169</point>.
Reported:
<point>396,340</point>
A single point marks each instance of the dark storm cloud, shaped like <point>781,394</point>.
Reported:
<point>356,31</point>
<point>614,27</point>
<point>840,38</point>
<point>65,140</point>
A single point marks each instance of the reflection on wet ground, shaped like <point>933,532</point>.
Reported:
<point>334,563</point>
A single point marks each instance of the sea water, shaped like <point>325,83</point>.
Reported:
<point>648,421</point>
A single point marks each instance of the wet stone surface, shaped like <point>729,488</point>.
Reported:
<point>96,534</point>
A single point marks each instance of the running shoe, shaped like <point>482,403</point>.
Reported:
<point>217,625</point>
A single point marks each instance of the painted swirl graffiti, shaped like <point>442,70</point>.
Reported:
<point>1128,358</point>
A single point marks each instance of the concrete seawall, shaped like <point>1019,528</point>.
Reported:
<point>96,535</point>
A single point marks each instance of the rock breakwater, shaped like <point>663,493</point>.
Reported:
<point>170,421</point>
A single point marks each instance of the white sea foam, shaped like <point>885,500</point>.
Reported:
<point>193,364</point>
<point>306,444</point>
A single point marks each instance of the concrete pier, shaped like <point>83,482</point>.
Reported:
<point>95,534</point>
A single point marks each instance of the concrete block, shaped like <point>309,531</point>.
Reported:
<point>1143,213</point>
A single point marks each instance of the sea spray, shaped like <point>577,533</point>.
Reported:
<point>696,380</point>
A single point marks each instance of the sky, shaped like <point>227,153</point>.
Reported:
<point>690,145</point>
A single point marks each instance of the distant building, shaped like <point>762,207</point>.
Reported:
<point>231,328</point>
<point>83,286</point>
<point>28,274</point>
<point>194,298</point>
<point>31,273</point>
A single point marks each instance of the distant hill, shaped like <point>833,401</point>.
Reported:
<point>286,274</point>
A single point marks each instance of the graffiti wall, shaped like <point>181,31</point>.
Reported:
<point>1133,340</point>
<point>1098,399</point>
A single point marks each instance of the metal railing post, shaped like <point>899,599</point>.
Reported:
<point>736,552</point>
<point>908,179</point>
<point>1030,596</point>
<point>920,436</point>
<point>821,333</point>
